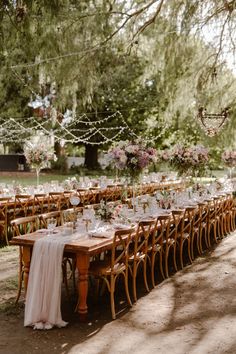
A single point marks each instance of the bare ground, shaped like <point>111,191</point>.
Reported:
<point>192,312</point>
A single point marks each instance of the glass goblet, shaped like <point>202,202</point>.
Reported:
<point>51,224</point>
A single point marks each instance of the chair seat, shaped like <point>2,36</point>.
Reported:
<point>101,268</point>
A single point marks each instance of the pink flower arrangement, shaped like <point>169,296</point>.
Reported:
<point>38,155</point>
<point>229,158</point>
<point>131,156</point>
<point>189,158</point>
<point>164,155</point>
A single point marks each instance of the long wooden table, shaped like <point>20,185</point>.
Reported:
<point>83,249</point>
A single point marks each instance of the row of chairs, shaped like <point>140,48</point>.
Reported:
<point>188,231</point>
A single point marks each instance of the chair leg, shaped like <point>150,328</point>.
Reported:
<point>192,244</point>
<point>215,231</point>
<point>174,258</point>
<point>127,288</point>
<point>145,274</point>
<point>189,250</point>
<point>206,237</point>
<point>181,254</point>
<point>20,277</point>
<point>209,236</point>
<point>153,269</point>
<point>112,290</point>
<point>20,280</point>
<point>134,281</point>
<point>166,261</point>
<point>161,265</point>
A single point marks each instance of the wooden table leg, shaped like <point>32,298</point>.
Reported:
<point>26,254</point>
<point>82,264</point>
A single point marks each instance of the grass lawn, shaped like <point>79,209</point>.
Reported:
<point>30,178</point>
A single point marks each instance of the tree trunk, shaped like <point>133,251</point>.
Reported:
<point>61,157</point>
<point>58,149</point>
<point>91,157</point>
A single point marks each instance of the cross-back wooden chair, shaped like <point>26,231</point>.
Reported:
<point>214,221</point>
<point>82,195</point>
<point>221,216</point>
<point>40,203</point>
<point>54,201</point>
<point>92,195</point>
<point>199,230</point>
<point>114,266</point>
<point>184,233</point>
<point>4,201</point>
<point>23,206</point>
<point>155,247</point>
<point>109,193</point>
<point>234,213</point>
<point>170,239</point>
<point>65,199</point>
<point>227,214</point>
<point>43,218</point>
<point>139,254</point>
<point>21,226</point>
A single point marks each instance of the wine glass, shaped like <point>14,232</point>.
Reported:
<point>74,201</point>
<point>51,224</point>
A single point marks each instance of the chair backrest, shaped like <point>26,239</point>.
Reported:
<point>189,217</point>
<point>3,208</point>
<point>120,248</point>
<point>25,225</point>
<point>40,203</point>
<point>162,227</point>
<point>143,235</point>
<point>23,205</point>
<point>71,214</point>
<point>52,214</point>
<point>176,225</point>
<point>54,200</point>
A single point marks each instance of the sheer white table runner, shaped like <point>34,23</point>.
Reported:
<point>43,299</point>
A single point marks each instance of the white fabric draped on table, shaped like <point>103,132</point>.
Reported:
<point>43,299</point>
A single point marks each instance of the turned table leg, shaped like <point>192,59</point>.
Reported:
<point>26,254</point>
<point>82,264</point>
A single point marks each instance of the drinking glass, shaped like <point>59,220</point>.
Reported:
<point>51,224</point>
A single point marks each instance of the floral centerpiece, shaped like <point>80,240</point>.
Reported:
<point>38,156</point>
<point>189,159</point>
<point>105,211</point>
<point>132,157</point>
<point>70,183</point>
<point>229,159</point>
<point>163,155</point>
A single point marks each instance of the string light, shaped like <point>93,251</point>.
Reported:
<point>18,130</point>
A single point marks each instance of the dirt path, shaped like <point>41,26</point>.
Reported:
<point>193,312</point>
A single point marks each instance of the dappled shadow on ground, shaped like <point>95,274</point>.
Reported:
<point>192,312</point>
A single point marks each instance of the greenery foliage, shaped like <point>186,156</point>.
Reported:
<point>155,75</point>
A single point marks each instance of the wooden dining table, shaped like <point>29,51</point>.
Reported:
<point>82,249</point>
